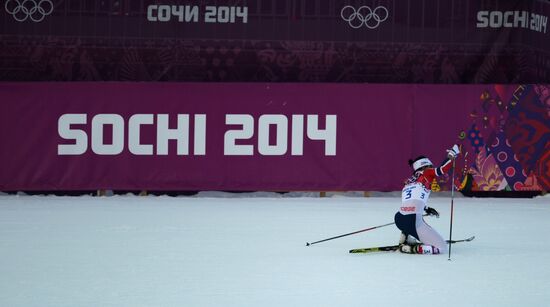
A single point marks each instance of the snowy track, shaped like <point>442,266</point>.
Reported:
<point>202,251</point>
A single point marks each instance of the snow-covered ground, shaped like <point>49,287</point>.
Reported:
<point>249,250</point>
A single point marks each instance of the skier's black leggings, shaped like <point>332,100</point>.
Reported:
<point>406,223</point>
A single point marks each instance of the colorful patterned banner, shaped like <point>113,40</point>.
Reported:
<point>510,139</point>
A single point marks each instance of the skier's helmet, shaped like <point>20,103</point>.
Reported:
<point>420,163</point>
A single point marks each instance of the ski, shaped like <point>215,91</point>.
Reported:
<point>391,248</point>
<point>463,240</point>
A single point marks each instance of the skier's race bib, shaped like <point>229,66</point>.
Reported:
<point>415,191</point>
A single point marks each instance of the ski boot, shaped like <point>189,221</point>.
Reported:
<point>419,249</point>
<point>407,239</point>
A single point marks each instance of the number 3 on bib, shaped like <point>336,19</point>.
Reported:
<point>415,191</point>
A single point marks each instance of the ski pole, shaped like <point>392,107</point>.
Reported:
<point>349,234</point>
<point>452,207</point>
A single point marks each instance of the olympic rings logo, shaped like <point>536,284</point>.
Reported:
<point>22,10</point>
<point>371,18</point>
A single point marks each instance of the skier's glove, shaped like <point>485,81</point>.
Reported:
<point>431,211</point>
<point>453,152</point>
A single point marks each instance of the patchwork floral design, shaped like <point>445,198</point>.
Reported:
<point>510,139</point>
<point>486,172</point>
